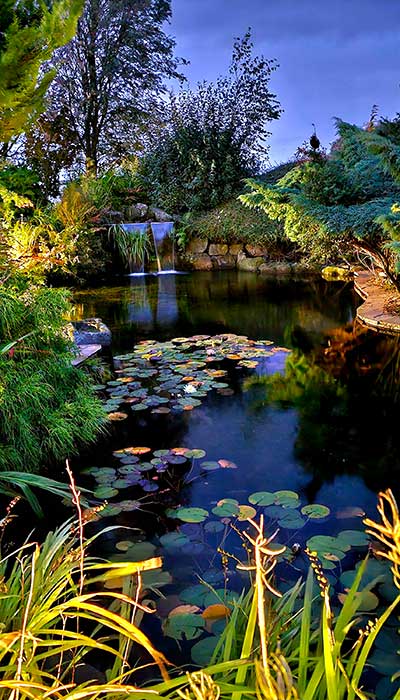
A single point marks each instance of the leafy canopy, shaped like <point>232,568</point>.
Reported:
<point>213,136</point>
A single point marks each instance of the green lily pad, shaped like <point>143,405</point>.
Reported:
<point>262,498</point>
<point>184,626</point>
<point>355,538</point>
<point>203,650</point>
<point>288,499</point>
<point>246,512</point>
<point>291,520</point>
<point>315,510</point>
<point>191,515</point>
<point>174,540</point>
<point>194,454</point>
<point>209,466</point>
<point>226,508</point>
<point>105,492</point>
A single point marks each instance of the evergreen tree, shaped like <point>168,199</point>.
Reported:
<point>29,33</point>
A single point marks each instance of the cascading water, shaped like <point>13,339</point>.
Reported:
<point>141,230</point>
<point>161,232</point>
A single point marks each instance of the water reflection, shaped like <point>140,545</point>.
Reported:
<point>216,302</point>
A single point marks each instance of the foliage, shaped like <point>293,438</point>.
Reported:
<point>233,223</point>
<point>30,32</point>
<point>110,78</point>
<point>45,607</point>
<point>132,246</point>
<point>213,136</point>
<point>331,205</point>
<point>47,407</point>
<point>21,181</point>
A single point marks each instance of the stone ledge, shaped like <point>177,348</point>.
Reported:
<point>85,352</point>
<point>372,313</point>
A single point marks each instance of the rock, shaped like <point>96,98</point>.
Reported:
<point>91,331</point>
<point>256,251</point>
<point>333,273</point>
<point>235,249</point>
<point>138,211</point>
<point>250,264</point>
<point>276,268</point>
<point>159,215</point>
<point>202,262</point>
<point>241,256</point>
<point>224,262</point>
<point>218,249</point>
<point>197,245</point>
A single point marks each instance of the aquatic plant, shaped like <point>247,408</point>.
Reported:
<point>132,246</point>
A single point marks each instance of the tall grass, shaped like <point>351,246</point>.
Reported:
<point>273,648</point>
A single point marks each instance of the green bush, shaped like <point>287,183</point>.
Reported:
<point>234,223</point>
<point>47,406</point>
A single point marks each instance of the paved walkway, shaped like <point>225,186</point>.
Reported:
<point>373,312</point>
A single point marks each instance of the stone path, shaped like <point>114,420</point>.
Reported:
<point>373,312</point>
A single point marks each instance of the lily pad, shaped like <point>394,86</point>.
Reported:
<point>105,492</point>
<point>226,508</point>
<point>262,498</point>
<point>184,626</point>
<point>203,650</point>
<point>315,510</point>
<point>174,540</point>
<point>191,515</point>
<point>246,512</point>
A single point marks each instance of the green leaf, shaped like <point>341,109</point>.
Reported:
<point>191,515</point>
<point>315,510</point>
<point>184,626</point>
<point>262,498</point>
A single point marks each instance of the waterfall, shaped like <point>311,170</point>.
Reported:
<point>141,230</point>
<point>161,233</point>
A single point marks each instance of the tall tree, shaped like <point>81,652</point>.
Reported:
<point>30,31</point>
<point>111,76</point>
<point>213,136</point>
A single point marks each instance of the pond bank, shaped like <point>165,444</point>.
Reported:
<point>374,312</point>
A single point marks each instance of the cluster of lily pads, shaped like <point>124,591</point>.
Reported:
<point>176,375</point>
<point>132,471</point>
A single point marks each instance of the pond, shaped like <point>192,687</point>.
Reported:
<point>180,477</point>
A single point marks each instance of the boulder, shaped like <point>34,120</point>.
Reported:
<point>91,331</point>
<point>256,251</point>
<point>138,211</point>
<point>224,262</point>
<point>158,215</point>
<point>276,268</point>
<point>202,262</point>
<point>235,249</point>
<point>218,249</point>
<point>250,264</point>
<point>197,245</point>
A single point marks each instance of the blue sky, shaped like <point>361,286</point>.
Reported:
<point>336,57</point>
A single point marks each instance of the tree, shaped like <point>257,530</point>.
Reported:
<point>213,136</point>
<point>29,33</point>
<point>334,205</point>
<point>110,77</point>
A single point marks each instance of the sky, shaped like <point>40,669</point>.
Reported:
<point>336,58</point>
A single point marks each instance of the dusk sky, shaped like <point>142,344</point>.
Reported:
<point>336,57</point>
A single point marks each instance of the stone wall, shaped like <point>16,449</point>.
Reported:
<point>201,254</point>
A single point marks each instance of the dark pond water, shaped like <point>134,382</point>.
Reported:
<point>271,445</point>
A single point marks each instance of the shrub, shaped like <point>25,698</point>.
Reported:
<point>47,406</point>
